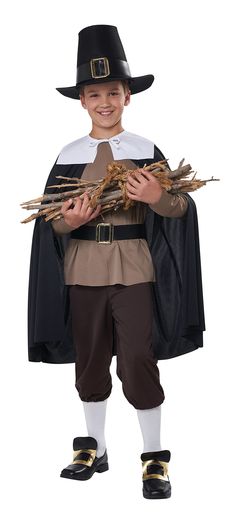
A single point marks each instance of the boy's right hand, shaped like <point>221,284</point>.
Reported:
<point>81,213</point>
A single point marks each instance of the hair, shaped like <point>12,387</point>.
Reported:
<point>125,84</point>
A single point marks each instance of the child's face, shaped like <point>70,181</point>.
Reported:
<point>105,104</point>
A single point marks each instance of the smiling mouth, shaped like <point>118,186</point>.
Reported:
<point>105,114</point>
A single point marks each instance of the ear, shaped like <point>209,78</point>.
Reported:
<point>82,101</point>
<point>127,98</point>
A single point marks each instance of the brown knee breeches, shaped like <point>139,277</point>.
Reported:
<point>96,311</point>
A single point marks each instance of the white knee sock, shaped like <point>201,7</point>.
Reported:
<point>150,423</point>
<point>95,414</point>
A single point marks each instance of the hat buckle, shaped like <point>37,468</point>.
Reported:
<point>100,67</point>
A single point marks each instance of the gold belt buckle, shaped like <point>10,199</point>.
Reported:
<point>98,233</point>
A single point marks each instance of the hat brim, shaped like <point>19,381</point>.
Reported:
<point>136,84</point>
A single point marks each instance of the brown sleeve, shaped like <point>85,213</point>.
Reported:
<point>60,227</point>
<point>170,205</point>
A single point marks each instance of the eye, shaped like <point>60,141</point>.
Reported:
<point>114,93</point>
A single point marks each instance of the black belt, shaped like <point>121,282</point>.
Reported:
<point>105,233</point>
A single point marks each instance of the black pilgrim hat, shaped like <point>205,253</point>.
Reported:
<point>101,58</point>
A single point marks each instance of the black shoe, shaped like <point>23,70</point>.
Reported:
<point>156,483</point>
<point>85,462</point>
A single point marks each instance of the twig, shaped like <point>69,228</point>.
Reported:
<point>110,191</point>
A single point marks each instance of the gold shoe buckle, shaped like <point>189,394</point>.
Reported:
<point>164,466</point>
<point>89,462</point>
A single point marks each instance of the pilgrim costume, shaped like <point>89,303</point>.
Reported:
<point>126,284</point>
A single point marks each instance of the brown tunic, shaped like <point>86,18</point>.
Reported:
<point>123,261</point>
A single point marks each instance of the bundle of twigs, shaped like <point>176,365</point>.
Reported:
<point>110,191</point>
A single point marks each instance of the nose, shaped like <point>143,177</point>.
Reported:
<point>105,101</point>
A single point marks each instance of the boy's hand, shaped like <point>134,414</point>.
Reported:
<point>143,187</point>
<point>81,213</point>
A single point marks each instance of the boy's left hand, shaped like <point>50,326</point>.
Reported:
<point>143,187</point>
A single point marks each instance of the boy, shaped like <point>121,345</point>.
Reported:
<point>103,281</point>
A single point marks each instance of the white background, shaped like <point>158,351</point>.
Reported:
<point>188,112</point>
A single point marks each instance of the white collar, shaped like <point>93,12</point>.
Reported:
<point>124,145</point>
<point>112,140</point>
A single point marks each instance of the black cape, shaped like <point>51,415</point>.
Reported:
<point>178,311</point>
